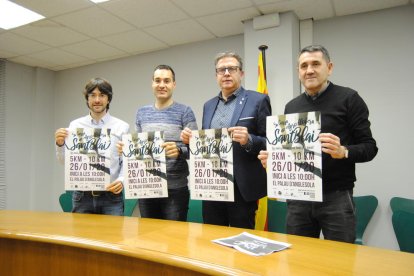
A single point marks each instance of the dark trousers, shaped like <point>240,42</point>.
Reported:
<point>101,202</point>
<point>239,213</point>
<point>335,217</point>
<point>173,207</point>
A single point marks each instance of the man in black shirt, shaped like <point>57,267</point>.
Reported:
<point>345,138</point>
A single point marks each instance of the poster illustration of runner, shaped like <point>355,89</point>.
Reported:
<point>144,165</point>
<point>294,165</point>
<point>211,165</point>
<point>87,159</point>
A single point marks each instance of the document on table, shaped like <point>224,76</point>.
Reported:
<point>252,244</point>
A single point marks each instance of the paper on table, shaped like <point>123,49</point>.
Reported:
<point>252,244</point>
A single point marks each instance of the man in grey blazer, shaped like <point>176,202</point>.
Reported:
<point>244,113</point>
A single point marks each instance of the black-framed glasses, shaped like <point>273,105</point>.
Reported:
<point>230,69</point>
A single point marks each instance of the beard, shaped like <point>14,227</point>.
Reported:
<point>98,109</point>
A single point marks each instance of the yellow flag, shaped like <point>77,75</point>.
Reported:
<point>261,81</point>
<point>261,214</point>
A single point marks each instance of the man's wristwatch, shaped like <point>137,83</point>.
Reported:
<point>346,153</point>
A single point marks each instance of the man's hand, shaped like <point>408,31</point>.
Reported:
<point>331,144</point>
<point>115,187</point>
<point>239,134</point>
<point>60,136</point>
<point>185,135</point>
<point>171,149</point>
<point>263,155</point>
<point>119,147</point>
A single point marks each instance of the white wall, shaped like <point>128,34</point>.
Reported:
<point>29,122</point>
<point>283,43</point>
<point>371,52</point>
<point>131,79</point>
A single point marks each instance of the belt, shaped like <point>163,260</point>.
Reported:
<point>336,191</point>
<point>94,193</point>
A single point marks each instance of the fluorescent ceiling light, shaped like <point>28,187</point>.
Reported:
<point>98,1</point>
<point>13,15</point>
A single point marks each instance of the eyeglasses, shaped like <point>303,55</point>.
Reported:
<point>230,69</point>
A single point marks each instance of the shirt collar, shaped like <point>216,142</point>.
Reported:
<point>232,96</point>
<point>103,120</point>
<point>314,97</point>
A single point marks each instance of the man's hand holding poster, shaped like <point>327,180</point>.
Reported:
<point>144,165</point>
<point>294,164</point>
<point>87,159</point>
<point>211,165</point>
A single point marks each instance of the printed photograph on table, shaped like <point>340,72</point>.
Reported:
<point>211,165</point>
<point>252,244</point>
<point>144,165</point>
<point>294,166</point>
<point>87,159</point>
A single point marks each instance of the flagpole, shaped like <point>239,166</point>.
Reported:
<point>261,213</point>
<point>263,49</point>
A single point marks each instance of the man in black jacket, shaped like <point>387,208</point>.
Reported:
<point>244,113</point>
<point>345,138</point>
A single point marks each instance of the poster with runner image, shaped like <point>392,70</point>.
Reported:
<point>87,159</point>
<point>211,165</point>
<point>294,164</point>
<point>145,174</point>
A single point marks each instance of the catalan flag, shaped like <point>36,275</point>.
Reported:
<point>261,81</point>
<point>261,214</point>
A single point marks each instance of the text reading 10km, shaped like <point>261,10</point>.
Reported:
<point>298,155</point>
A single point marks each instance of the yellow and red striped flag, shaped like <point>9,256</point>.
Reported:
<point>261,214</point>
<point>261,81</point>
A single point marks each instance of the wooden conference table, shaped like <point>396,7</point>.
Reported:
<point>47,243</point>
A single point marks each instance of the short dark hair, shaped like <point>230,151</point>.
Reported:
<point>317,48</point>
<point>231,55</point>
<point>164,67</point>
<point>103,86</point>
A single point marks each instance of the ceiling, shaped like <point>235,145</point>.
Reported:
<point>79,32</point>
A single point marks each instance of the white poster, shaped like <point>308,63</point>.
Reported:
<point>87,159</point>
<point>145,174</point>
<point>294,165</point>
<point>211,165</point>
